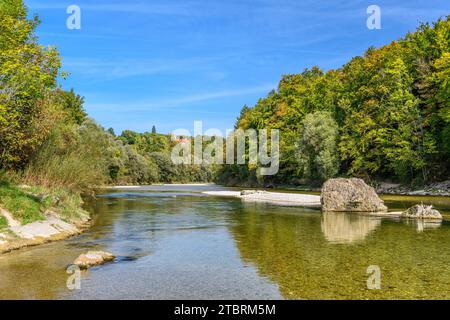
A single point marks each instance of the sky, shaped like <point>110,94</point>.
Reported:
<point>169,63</point>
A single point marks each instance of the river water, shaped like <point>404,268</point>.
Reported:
<point>172,242</point>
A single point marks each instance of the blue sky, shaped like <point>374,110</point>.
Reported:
<point>171,62</point>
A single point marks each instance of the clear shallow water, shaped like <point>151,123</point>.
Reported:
<point>174,243</point>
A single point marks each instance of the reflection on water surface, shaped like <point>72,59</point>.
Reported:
<point>175,243</point>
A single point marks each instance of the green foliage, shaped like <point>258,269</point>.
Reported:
<point>29,203</point>
<point>3,223</point>
<point>317,147</point>
<point>72,156</point>
<point>129,137</point>
<point>167,171</point>
<point>24,208</point>
<point>111,132</point>
<point>27,72</point>
<point>392,108</point>
<point>66,203</point>
<point>383,131</point>
<point>149,161</point>
<point>72,103</point>
<point>140,169</point>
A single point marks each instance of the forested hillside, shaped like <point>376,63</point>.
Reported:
<point>382,116</point>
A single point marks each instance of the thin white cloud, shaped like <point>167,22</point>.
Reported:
<point>80,35</point>
<point>186,8</point>
<point>408,12</point>
<point>163,104</point>
<point>115,69</point>
<point>220,94</point>
<point>262,10</point>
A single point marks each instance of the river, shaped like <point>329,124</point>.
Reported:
<point>172,242</point>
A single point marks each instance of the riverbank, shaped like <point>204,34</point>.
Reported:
<point>31,215</point>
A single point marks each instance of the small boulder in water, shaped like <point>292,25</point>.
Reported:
<point>93,258</point>
<point>421,211</point>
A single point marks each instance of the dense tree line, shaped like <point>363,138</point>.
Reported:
<point>385,115</point>
<point>46,137</point>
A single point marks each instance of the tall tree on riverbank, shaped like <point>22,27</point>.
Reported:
<point>27,73</point>
<point>317,147</point>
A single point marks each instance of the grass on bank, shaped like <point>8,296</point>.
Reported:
<point>28,204</point>
<point>23,207</point>
<point>3,223</point>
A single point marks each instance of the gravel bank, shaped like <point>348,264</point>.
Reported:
<point>284,199</point>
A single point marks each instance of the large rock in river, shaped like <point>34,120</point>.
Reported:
<point>350,195</point>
